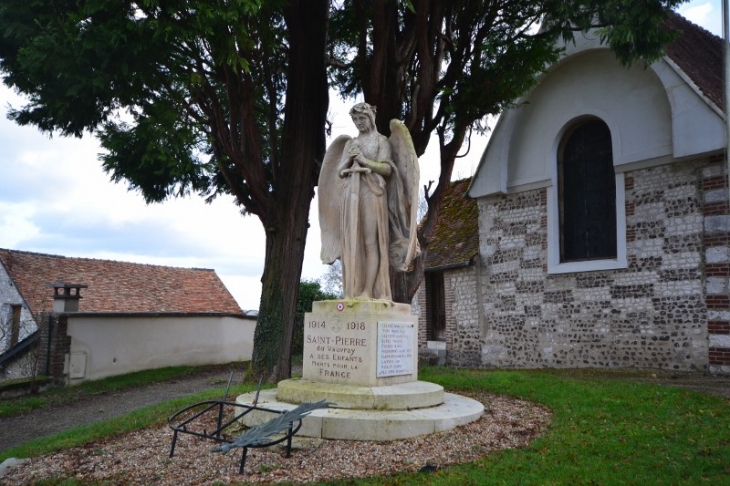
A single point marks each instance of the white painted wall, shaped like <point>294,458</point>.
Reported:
<point>655,116</point>
<point>108,346</point>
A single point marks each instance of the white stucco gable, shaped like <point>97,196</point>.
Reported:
<point>656,115</point>
<point>10,297</point>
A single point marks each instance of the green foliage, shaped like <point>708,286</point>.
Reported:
<point>166,86</point>
<point>474,58</point>
<point>192,75</point>
<point>446,66</point>
<point>225,96</point>
<point>309,291</point>
<point>187,96</point>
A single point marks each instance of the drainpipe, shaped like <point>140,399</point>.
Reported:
<point>480,297</point>
<point>726,51</point>
<point>49,317</point>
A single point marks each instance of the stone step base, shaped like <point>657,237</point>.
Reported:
<point>377,425</point>
<point>404,396</point>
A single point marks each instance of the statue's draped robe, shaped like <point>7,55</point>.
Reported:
<point>365,195</point>
<point>389,202</point>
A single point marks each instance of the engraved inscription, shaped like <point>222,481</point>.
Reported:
<point>395,349</point>
<point>337,356</point>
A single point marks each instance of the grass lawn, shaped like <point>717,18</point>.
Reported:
<point>603,432</point>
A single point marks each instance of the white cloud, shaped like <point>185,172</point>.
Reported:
<point>16,224</point>
<point>707,13</point>
<point>55,198</point>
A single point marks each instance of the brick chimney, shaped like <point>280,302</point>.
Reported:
<point>66,297</point>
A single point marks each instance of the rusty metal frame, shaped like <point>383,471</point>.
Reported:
<point>217,406</point>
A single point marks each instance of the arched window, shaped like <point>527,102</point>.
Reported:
<point>587,193</point>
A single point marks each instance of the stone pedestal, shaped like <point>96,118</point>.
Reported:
<point>360,343</point>
<point>361,356</point>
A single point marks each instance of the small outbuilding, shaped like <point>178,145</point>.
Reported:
<point>77,319</point>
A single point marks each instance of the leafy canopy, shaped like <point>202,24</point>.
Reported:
<point>444,66</point>
<point>309,291</point>
<point>182,94</point>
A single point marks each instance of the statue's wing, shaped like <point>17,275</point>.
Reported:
<point>329,192</point>
<point>406,161</point>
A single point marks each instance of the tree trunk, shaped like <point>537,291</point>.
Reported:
<point>279,293</point>
<point>303,146</point>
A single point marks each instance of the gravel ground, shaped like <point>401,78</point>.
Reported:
<point>142,457</point>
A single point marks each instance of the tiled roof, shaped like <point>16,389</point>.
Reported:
<point>118,287</point>
<point>456,238</point>
<point>698,53</point>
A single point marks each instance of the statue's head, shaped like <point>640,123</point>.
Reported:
<point>365,109</point>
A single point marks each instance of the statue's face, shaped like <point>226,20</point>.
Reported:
<point>362,122</point>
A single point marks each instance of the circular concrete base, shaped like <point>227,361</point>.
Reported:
<point>381,425</point>
<point>404,396</point>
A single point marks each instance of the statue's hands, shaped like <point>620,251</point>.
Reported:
<point>363,170</point>
<point>358,162</point>
<point>356,156</point>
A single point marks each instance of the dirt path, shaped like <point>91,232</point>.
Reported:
<point>49,421</point>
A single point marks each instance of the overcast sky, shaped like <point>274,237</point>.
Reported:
<point>55,199</point>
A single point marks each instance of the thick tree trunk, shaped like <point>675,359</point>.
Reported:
<point>285,240</point>
<point>303,146</point>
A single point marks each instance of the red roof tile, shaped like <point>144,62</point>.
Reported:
<point>456,238</point>
<point>118,286</point>
<point>698,53</point>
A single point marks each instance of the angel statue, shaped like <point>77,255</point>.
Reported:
<point>368,197</point>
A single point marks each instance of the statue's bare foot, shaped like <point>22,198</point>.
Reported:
<point>364,295</point>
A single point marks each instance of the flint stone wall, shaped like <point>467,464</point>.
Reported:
<point>669,309</point>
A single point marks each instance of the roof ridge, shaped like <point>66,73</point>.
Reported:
<point>107,260</point>
<point>697,53</point>
<point>117,286</point>
<point>681,17</point>
<point>32,253</point>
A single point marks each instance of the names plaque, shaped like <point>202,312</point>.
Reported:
<point>395,349</point>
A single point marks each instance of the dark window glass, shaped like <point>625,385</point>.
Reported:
<point>436,307</point>
<point>587,186</point>
<point>15,326</point>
